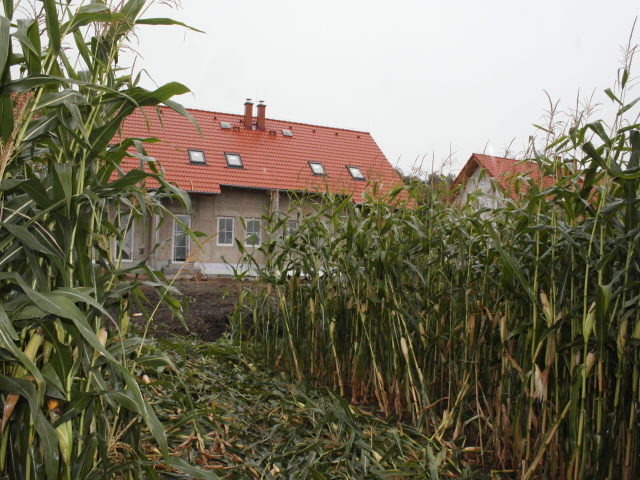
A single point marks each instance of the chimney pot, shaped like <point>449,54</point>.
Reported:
<point>261,115</point>
<point>248,114</point>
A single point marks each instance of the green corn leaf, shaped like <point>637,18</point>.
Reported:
<point>181,194</point>
<point>40,126</point>
<point>93,8</point>
<point>37,192</point>
<point>154,361</point>
<point>76,405</point>
<point>124,398</point>
<point>60,306</point>
<point>34,59</point>
<point>598,128</point>
<point>146,98</point>
<point>509,263</point>
<point>628,106</point>
<point>26,237</point>
<point>6,116</point>
<point>77,295</point>
<point>63,182</point>
<point>588,322</point>
<point>83,465</point>
<point>133,177</point>
<point>22,35</point>
<point>53,27</point>
<point>6,324</point>
<point>612,96</point>
<point>176,107</point>
<point>193,472</point>
<point>29,83</point>
<point>164,21</point>
<point>64,97</point>
<point>603,298</point>
<point>613,168</point>
<point>83,50</point>
<point>7,342</point>
<point>82,19</point>
<point>8,8</point>
<point>132,8</point>
<point>5,41</point>
<point>629,127</point>
<point>77,118</point>
<point>48,437</point>
<point>50,375</point>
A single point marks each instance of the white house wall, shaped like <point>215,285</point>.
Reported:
<point>475,184</point>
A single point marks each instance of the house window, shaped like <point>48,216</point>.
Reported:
<point>317,168</point>
<point>124,247</point>
<point>225,231</point>
<point>290,229</point>
<point>356,173</point>
<point>233,160</point>
<point>180,239</point>
<point>196,156</point>
<point>253,232</point>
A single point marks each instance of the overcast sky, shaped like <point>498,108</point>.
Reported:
<point>423,77</point>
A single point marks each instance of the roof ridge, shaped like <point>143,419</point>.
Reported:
<point>241,116</point>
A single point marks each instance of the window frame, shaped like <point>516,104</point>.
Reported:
<point>130,233</point>
<point>361,177</point>
<point>226,157</point>
<point>233,225</point>
<point>324,170</point>
<point>204,158</point>
<point>173,237</point>
<point>257,234</point>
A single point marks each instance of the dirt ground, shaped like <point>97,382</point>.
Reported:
<point>210,303</point>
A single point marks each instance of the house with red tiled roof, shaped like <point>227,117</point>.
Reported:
<point>240,166</point>
<point>511,175</point>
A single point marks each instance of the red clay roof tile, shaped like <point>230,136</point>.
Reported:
<point>270,161</point>
<point>504,170</point>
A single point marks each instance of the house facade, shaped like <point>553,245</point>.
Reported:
<point>509,174</point>
<point>239,168</point>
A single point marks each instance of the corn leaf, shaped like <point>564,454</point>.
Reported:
<point>164,21</point>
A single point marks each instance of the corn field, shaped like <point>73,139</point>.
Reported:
<point>71,402</point>
<point>510,336</point>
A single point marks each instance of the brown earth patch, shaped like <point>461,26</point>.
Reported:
<point>207,315</point>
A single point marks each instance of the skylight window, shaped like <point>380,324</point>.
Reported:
<point>225,125</point>
<point>317,168</point>
<point>287,133</point>
<point>356,173</point>
<point>196,156</point>
<point>233,160</point>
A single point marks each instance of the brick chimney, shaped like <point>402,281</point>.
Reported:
<point>248,114</point>
<point>261,112</point>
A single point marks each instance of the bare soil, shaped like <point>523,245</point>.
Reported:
<point>210,303</point>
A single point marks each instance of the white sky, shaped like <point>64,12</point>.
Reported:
<point>421,76</point>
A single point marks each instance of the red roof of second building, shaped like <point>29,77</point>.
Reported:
<point>271,160</point>
<point>504,170</point>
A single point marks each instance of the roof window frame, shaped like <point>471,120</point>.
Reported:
<point>204,158</point>
<point>361,178</point>
<point>324,170</point>
<point>226,157</point>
